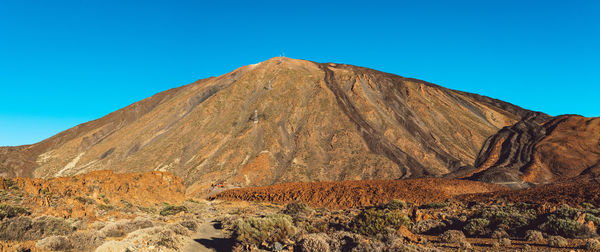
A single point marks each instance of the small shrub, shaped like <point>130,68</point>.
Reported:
<point>126,204</point>
<point>49,225</point>
<point>122,227</point>
<point>344,241</point>
<point>514,219</point>
<point>54,243</point>
<point>504,242</point>
<point>592,218</point>
<point>314,243</point>
<point>85,200</point>
<point>7,211</point>
<point>15,228</point>
<point>465,245</point>
<point>430,226</point>
<point>534,236</point>
<point>11,184</point>
<point>192,200</point>
<point>557,242</point>
<point>172,210</point>
<point>372,221</point>
<point>103,207</point>
<point>566,227</point>
<point>178,229</point>
<point>395,204</point>
<point>269,229</point>
<point>112,230</point>
<point>189,224</point>
<point>592,245</point>
<point>477,227</point>
<point>587,205</point>
<point>296,208</point>
<point>433,205</point>
<point>499,234</point>
<point>452,236</point>
<point>85,240</point>
<point>148,210</point>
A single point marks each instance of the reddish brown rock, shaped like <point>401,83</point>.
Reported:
<point>345,194</point>
<point>538,151</point>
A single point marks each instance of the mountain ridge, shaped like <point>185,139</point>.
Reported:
<point>314,122</point>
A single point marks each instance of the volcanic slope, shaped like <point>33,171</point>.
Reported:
<point>539,151</point>
<point>282,120</point>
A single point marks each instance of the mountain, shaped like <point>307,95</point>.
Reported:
<point>281,120</point>
<point>539,151</point>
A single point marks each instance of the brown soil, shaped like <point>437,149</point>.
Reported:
<point>573,193</point>
<point>344,194</point>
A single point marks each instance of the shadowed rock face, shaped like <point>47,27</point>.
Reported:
<point>281,120</point>
<point>539,150</point>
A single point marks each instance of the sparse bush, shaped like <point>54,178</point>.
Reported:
<point>85,240</point>
<point>534,235</point>
<point>11,184</point>
<point>7,211</point>
<point>557,242</point>
<point>395,204</point>
<point>372,221</point>
<point>499,234</point>
<point>592,218</point>
<point>189,224</point>
<point>149,210</point>
<point>314,243</point>
<point>430,226</point>
<point>296,208</point>
<point>269,229</point>
<point>103,207</point>
<point>566,227</point>
<point>165,238</point>
<point>514,219</point>
<point>453,236</point>
<point>112,230</point>
<point>49,225</point>
<point>592,245</point>
<point>15,228</point>
<point>54,243</point>
<point>433,205</point>
<point>178,229</point>
<point>344,241</point>
<point>504,242</point>
<point>477,227</point>
<point>465,245</point>
<point>126,204</point>
<point>85,200</point>
<point>122,227</point>
<point>172,210</point>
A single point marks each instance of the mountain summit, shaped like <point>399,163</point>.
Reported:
<point>280,120</point>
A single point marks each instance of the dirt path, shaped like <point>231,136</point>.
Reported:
<point>209,237</point>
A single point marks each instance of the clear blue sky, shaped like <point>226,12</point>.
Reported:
<point>67,62</point>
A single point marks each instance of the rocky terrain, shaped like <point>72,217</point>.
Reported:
<point>282,120</point>
<point>347,194</point>
<point>539,151</point>
<point>104,211</point>
<point>100,211</point>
